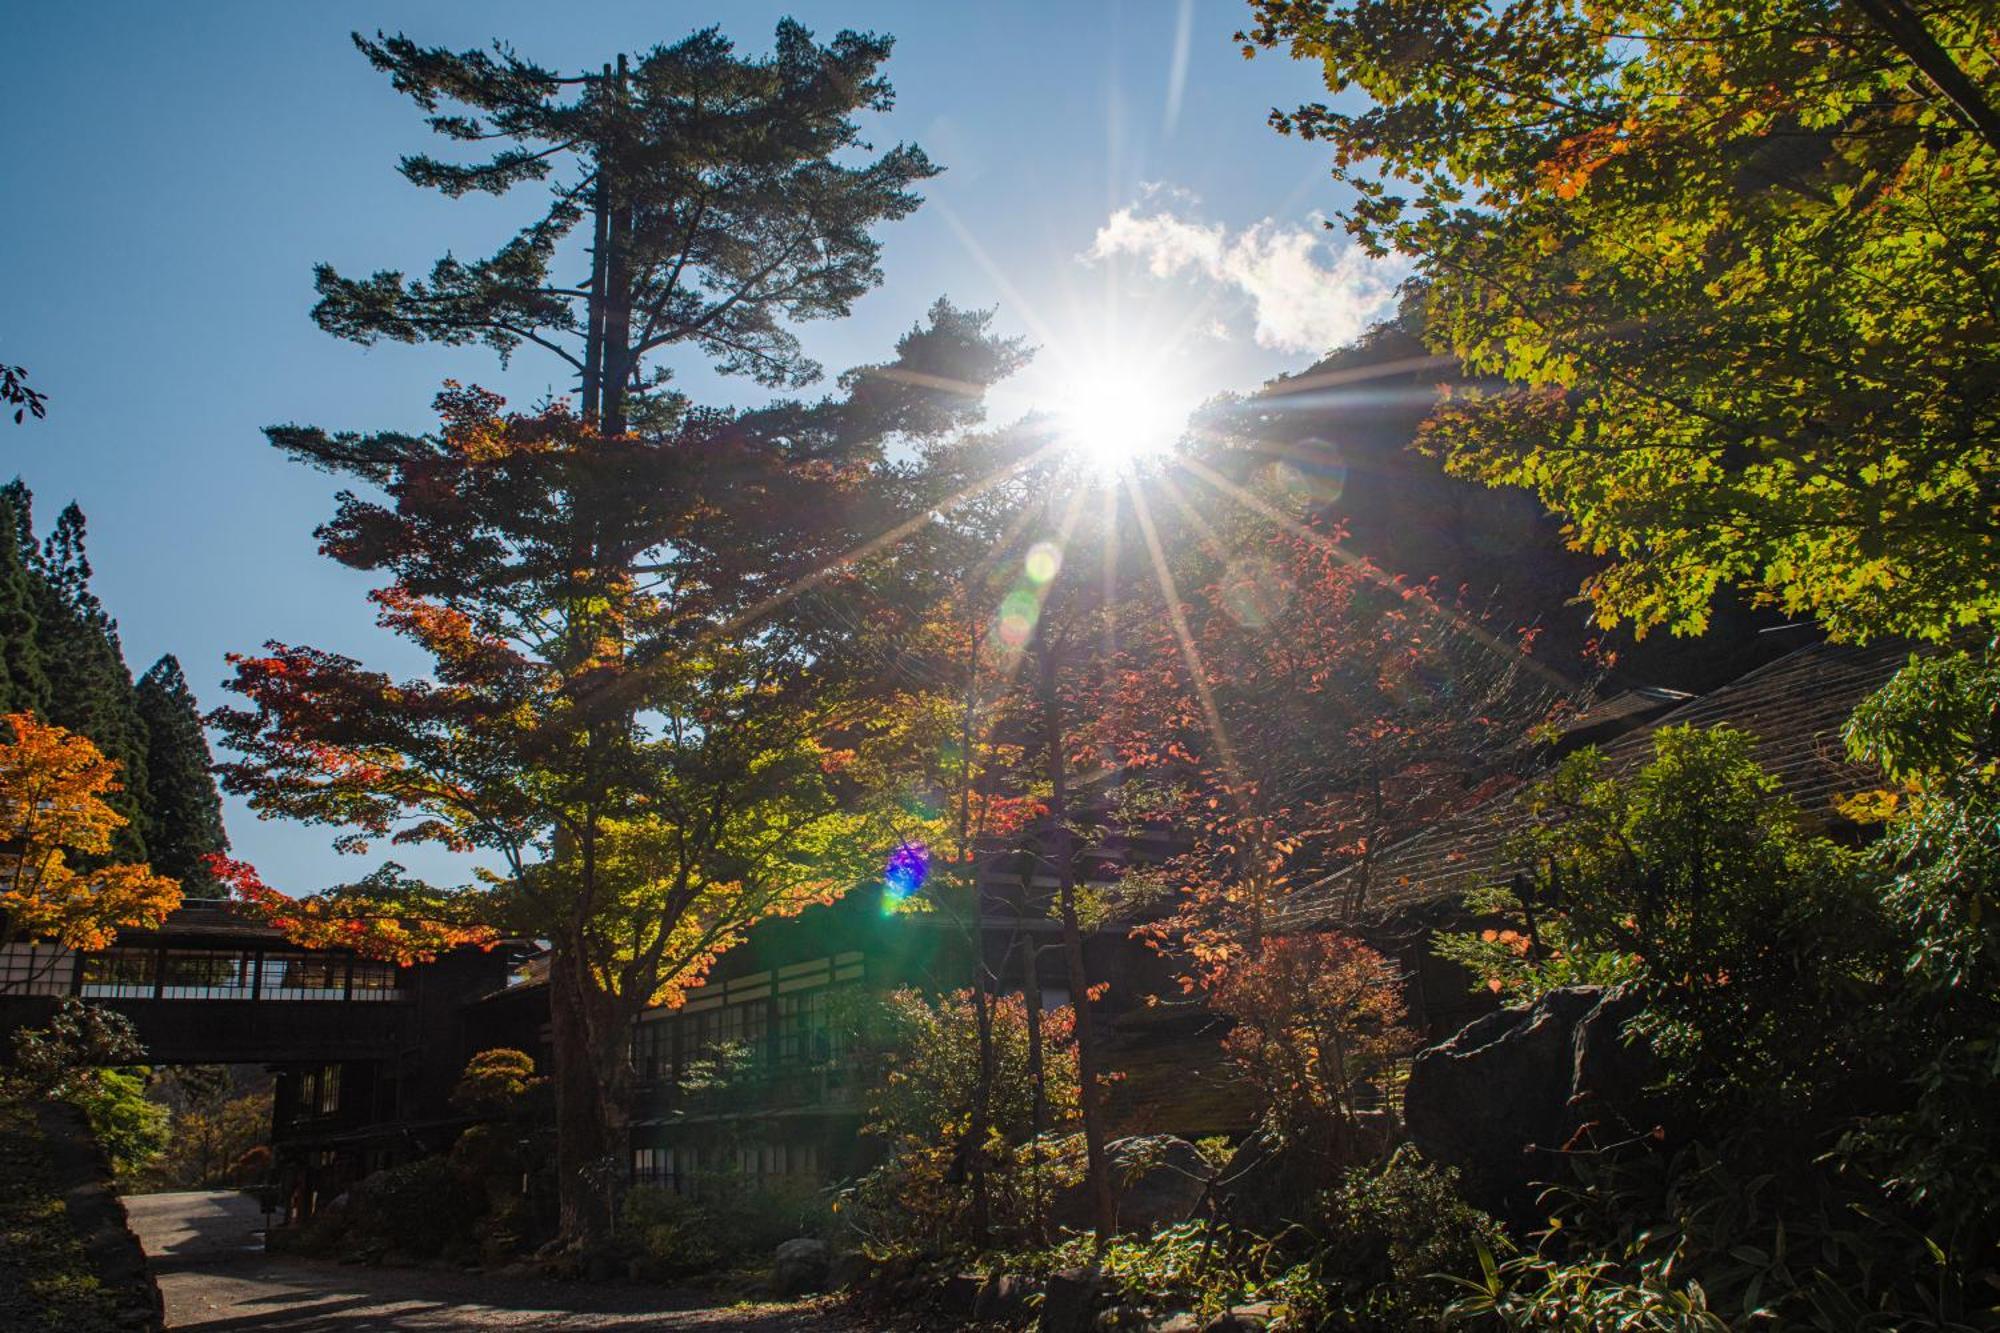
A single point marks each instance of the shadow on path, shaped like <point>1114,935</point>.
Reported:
<point>217,1279</point>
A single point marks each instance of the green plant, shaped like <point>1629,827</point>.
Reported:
<point>496,1082</point>
<point>673,1235</point>
<point>1935,730</point>
<point>1748,935</point>
<point>132,1130</point>
<point>1393,1231</point>
<point>943,1186</point>
<point>61,1056</point>
<point>419,1208</point>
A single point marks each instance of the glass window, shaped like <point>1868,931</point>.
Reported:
<point>375,981</point>
<point>205,974</point>
<point>36,969</point>
<point>757,1029</point>
<point>325,1090</point>
<point>121,974</point>
<point>303,976</point>
<point>653,1048</point>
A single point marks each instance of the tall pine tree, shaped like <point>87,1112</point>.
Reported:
<point>90,687</point>
<point>24,687</point>
<point>184,810</point>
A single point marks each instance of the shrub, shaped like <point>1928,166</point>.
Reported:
<point>496,1082</point>
<point>945,1185</point>
<point>1394,1233</point>
<point>1748,936</point>
<point>419,1208</point>
<point>1319,1022</point>
<point>672,1235</point>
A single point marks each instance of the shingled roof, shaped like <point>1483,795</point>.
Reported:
<point>1795,707</point>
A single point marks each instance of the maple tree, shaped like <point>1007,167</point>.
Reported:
<point>1720,277</point>
<point>1320,1022</point>
<point>1291,711</point>
<point>649,705</point>
<point>53,815</point>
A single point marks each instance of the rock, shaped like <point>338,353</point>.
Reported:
<point>800,1266</point>
<point>1502,1096</point>
<point>1070,1301</point>
<point>1157,1180</point>
<point>1118,1319</point>
<point>849,1270</point>
<point>1007,1298</point>
<point>961,1292</point>
<point>1252,1318</point>
<point>1180,1321</point>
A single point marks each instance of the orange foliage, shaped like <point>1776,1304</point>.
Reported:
<point>1319,1018</point>
<point>372,925</point>
<point>52,788</point>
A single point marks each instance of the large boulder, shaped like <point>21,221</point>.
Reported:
<point>1157,1180</point>
<point>1501,1098</point>
<point>801,1265</point>
<point>1070,1301</point>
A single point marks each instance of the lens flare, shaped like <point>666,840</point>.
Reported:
<point>1255,592</point>
<point>1019,610</point>
<point>909,866</point>
<point>1309,473</point>
<point>1044,562</point>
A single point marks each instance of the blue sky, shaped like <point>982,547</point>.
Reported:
<point>175,170</point>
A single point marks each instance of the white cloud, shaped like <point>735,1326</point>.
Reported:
<point>1301,302</point>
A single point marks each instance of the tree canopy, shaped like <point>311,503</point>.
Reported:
<point>1727,272</point>
<point>53,807</point>
<point>718,210</point>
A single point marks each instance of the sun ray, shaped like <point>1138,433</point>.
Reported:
<point>752,614</point>
<point>1479,634</point>
<point>1190,654</point>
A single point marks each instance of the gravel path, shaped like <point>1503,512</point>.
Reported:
<point>215,1277</point>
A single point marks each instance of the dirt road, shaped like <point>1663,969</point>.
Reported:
<point>205,1250</point>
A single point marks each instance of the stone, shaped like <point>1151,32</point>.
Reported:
<point>1157,1180</point>
<point>800,1266</point>
<point>1070,1301</point>
<point>1180,1321</point>
<point>961,1292</point>
<point>1503,1096</point>
<point>1252,1318</point>
<point>1006,1298</point>
<point>849,1270</point>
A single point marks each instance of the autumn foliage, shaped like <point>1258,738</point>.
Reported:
<point>1320,1023</point>
<point>1318,710</point>
<point>378,917</point>
<point>53,815</point>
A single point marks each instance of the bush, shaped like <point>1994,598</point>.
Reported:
<point>946,1186</point>
<point>1395,1234</point>
<point>1749,937</point>
<point>417,1208</point>
<point>672,1235</point>
<point>496,1082</point>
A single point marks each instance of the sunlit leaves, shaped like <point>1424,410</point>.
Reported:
<point>52,809</point>
<point>1735,268</point>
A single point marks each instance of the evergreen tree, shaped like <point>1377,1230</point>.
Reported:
<point>90,687</point>
<point>183,808</point>
<point>24,687</point>
<point>724,198</point>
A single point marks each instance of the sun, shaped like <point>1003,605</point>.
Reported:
<point>1119,413</point>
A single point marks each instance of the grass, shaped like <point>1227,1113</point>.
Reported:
<point>45,1281</point>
